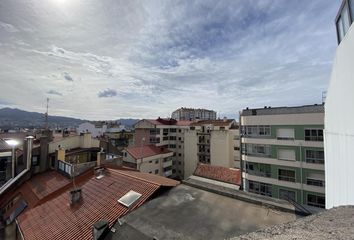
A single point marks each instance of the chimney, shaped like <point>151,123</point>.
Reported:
<point>100,229</point>
<point>75,196</point>
<point>29,142</point>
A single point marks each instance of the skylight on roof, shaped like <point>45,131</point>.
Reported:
<point>129,198</point>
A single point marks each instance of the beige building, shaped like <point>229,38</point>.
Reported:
<point>193,114</point>
<point>149,159</point>
<point>211,142</point>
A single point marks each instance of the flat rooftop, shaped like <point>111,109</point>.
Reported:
<point>336,223</point>
<point>186,212</point>
<point>317,108</point>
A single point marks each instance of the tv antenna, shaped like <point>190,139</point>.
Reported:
<point>46,115</point>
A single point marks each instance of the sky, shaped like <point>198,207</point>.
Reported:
<point>109,59</point>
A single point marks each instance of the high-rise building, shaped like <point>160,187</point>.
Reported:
<point>193,114</point>
<point>282,153</point>
<point>339,117</point>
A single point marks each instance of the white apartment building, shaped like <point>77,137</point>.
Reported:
<point>193,114</point>
<point>149,159</point>
<point>213,142</point>
<point>339,116</point>
<point>164,133</point>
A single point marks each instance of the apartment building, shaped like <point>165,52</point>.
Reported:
<point>149,159</point>
<point>211,142</point>
<point>282,153</point>
<point>339,117</point>
<point>166,134</point>
<point>193,114</point>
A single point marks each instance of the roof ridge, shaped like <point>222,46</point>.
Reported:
<point>136,177</point>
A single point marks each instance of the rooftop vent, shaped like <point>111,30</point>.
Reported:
<point>75,195</point>
<point>129,198</point>
<point>100,229</point>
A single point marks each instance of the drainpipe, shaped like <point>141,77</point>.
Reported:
<point>301,175</point>
<point>29,151</point>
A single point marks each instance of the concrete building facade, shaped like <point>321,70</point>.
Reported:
<point>193,114</point>
<point>339,116</point>
<point>282,153</point>
<point>211,142</point>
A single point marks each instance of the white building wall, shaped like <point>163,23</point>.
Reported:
<point>190,152</point>
<point>339,127</point>
<point>91,128</point>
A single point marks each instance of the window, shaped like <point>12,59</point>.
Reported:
<point>237,148</point>
<point>35,160</point>
<point>285,134</point>
<point>154,140</point>
<point>172,146</point>
<point>315,179</point>
<point>222,128</point>
<point>192,128</point>
<point>315,156</point>
<point>179,130</point>
<point>129,198</point>
<point>179,139</point>
<point>316,201</point>
<point>150,161</point>
<point>173,170</point>
<point>173,130</point>
<point>264,130</point>
<point>179,146</point>
<point>286,175</point>
<point>286,154</point>
<point>287,195</point>
<point>179,154</point>
<point>156,161</point>
<point>260,188</point>
<point>313,134</point>
<point>156,171</point>
<point>343,21</point>
<point>258,150</point>
<point>154,131</point>
<point>173,138</point>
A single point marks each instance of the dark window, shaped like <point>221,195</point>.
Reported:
<point>287,195</point>
<point>286,175</point>
<point>35,160</point>
<point>313,134</point>
<point>315,156</point>
<point>156,161</point>
<point>173,130</point>
<point>316,201</point>
<point>260,188</point>
<point>156,171</point>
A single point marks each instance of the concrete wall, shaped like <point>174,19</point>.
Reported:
<point>221,149</point>
<point>91,128</point>
<point>339,127</point>
<point>80,141</point>
<point>283,119</point>
<point>190,152</point>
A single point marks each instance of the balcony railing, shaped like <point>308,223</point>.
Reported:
<point>167,164</point>
<point>74,169</point>
<point>259,173</point>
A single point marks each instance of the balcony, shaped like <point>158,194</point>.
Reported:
<point>168,173</point>
<point>259,173</point>
<point>74,170</point>
<point>167,164</point>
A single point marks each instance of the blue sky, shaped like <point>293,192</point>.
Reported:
<point>143,59</point>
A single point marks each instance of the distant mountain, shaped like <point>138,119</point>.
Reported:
<point>128,121</point>
<point>13,117</point>
<point>16,118</point>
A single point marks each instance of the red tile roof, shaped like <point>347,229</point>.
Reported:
<point>222,174</point>
<point>221,123</point>
<point>146,151</point>
<point>169,121</point>
<point>37,188</point>
<point>57,219</point>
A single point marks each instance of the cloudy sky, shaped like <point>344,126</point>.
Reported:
<point>106,59</point>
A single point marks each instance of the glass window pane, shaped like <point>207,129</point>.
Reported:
<point>351,7</point>
<point>346,19</point>
<point>340,30</point>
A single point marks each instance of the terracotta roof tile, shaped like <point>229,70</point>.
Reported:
<point>220,123</point>
<point>146,151</point>
<point>57,219</point>
<point>218,173</point>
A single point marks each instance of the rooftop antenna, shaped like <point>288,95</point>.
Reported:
<point>46,115</point>
<point>324,95</point>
